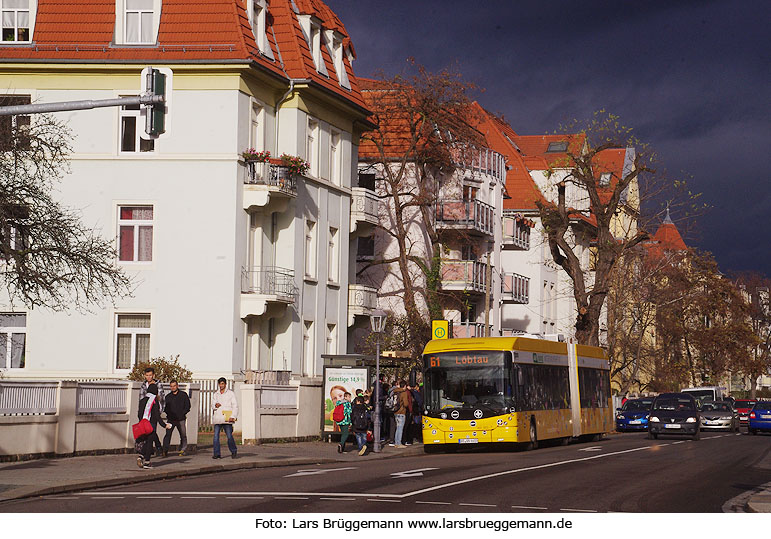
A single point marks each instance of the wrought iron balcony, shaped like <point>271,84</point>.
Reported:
<point>265,285</point>
<point>515,288</point>
<point>473,216</point>
<point>463,275</point>
<point>265,183</point>
<point>516,233</point>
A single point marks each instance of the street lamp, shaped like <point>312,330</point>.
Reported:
<point>377,319</point>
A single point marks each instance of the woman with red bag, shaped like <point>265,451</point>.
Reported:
<point>149,409</point>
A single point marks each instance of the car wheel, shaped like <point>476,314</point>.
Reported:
<point>533,443</point>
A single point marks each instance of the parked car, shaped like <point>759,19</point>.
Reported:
<point>633,415</point>
<point>719,415</point>
<point>743,407</point>
<point>674,413</point>
<point>760,417</point>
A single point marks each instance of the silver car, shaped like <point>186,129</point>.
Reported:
<point>718,415</point>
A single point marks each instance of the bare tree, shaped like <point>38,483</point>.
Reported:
<point>425,131</point>
<point>756,288</point>
<point>49,257</point>
<point>585,144</point>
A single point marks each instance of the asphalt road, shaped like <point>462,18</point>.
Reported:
<point>623,473</point>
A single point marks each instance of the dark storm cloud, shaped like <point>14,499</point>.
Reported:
<point>692,77</point>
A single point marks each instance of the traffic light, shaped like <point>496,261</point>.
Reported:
<point>155,83</point>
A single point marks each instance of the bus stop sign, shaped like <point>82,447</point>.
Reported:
<point>440,329</point>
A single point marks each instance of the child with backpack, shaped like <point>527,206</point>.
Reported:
<point>360,422</point>
<point>342,416</point>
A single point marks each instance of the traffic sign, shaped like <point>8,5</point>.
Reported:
<point>440,329</point>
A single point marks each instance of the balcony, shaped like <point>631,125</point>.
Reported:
<point>364,211</point>
<point>470,216</point>
<point>463,275</point>
<point>268,184</point>
<point>515,288</point>
<point>467,330</point>
<point>266,287</point>
<point>516,233</point>
<point>362,300</point>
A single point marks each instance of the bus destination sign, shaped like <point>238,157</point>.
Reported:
<point>475,358</point>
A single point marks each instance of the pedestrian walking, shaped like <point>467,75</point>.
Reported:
<point>150,379</point>
<point>360,418</point>
<point>177,407</point>
<point>342,417</point>
<point>224,414</point>
<point>149,409</point>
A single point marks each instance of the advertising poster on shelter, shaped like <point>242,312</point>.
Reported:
<point>336,383</point>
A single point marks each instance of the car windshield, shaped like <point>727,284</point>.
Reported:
<point>744,404</point>
<point>762,406</point>
<point>634,406</point>
<point>716,407</point>
<point>673,403</point>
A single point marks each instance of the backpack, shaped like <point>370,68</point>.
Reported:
<point>359,418</point>
<point>338,414</point>
<point>392,402</point>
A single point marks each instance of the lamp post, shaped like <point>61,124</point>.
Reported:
<point>377,319</point>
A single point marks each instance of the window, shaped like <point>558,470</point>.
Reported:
<point>605,179</point>
<point>339,53</point>
<point>331,339</point>
<point>315,46</point>
<point>135,229</point>
<point>257,128</point>
<point>557,147</point>
<point>308,360</point>
<point>332,264</point>
<point>257,18</point>
<point>310,248</point>
<point>13,129</point>
<point>139,21</point>
<point>14,234</point>
<point>334,157</point>
<point>131,125</point>
<point>13,340</point>
<point>132,339</point>
<point>312,146</point>
<point>16,20</point>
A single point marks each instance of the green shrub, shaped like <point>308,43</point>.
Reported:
<point>166,370</point>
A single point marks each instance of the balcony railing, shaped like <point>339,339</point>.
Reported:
<point>362,300</point>
<point>463,275</point>
<point>469,215</point>
<point>515,288</point>
<point>516,233</point>
<point>466,330</point>
<point>364,207</point>
<point>269,281</point>
<point>258,173</point>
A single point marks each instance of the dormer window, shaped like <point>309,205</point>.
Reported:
<point>136,21</point>
<point>258,16</point>
<point>318,59</point>
<point>337,51</point>
<point>605,179</point>
<point>557,147</point>
<point>16,20</point>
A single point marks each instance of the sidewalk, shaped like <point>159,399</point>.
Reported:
<point>51,476</point>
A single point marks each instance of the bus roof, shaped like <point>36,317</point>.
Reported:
<point>510,343</point>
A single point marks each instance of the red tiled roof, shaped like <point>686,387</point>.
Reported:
<point>537,146</point>
<point>189,30</point>
<point>669,238</point>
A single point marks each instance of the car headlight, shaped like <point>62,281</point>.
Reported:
<point>654,419</point>
<point>620,417</point>
<point>691,420</point>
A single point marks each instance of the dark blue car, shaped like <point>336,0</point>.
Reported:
<point>633,415</point>
<point>760,417</point>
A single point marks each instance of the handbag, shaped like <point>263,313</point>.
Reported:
<point>144,426</point>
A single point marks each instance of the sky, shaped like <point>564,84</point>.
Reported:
<point>691,77</point>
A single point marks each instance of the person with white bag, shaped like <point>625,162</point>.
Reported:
<point>224,414</point>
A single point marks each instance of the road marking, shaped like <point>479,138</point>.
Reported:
<point>300,473</point>
<point>62,498</point>
<point>198,497</point>
<point>411,473</point>
<point>680,442</point>
<point>434,503</point>
<point>579,510</point>
<point>244,497</point>
<point>478,504</point>
<point>593,448</point>
<point>382,500</point>
<point>528,507</point>
<point>249,493</point>
<point>111,497</point>
<point>339,499</point>
<point>146,497</point>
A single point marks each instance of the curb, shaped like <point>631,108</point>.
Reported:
<point>155,475</point>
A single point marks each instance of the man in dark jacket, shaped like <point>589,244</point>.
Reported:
<point>177,407</point>
<point>154,416</point>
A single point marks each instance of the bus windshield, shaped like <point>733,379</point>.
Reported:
<point>466,380</point>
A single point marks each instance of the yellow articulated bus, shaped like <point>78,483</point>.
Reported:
<point>513,389</point>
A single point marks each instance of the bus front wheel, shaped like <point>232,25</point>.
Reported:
<point>533,443</point>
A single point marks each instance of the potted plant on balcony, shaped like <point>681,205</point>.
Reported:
<point>296,165</point>
<point>251,154</point>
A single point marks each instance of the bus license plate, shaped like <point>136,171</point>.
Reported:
<point>468,441</point>
<point>672,426</point>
